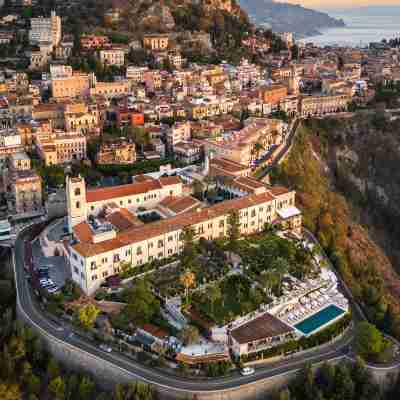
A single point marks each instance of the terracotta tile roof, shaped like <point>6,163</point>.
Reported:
<point>155,331</point>
<point>123,219</point>
<point>179,204</point>
<point>228,165</point>
<point>83,232</point>
<point>139,234</point>
<point>278,190</point>
<point>264,327</point>
<point>131,189</point>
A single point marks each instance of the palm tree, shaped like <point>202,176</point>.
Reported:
<point>281,267</point>
<point>188,280</point>
<point>214,294</point>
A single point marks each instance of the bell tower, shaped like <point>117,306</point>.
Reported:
<point>76,201</point>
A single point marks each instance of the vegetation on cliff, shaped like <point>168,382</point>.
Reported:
<point>329,212</point>
<point>337,382</point>
<point>28,371</point>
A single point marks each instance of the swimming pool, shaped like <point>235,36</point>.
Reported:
<point>318,320</point>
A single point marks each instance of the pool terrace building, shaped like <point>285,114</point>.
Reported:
<point>259,334</point>
<point>109,229</point>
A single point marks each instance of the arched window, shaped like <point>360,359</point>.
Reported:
<point>77,192</point>
<point>78,204</point>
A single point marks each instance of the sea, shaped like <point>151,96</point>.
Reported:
<point>363,25</point>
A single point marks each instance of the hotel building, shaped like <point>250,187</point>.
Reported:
<point>108,233</point>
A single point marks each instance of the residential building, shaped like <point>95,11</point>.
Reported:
<point>62,147</point>
<point>319,105</point>
<point>187,152</point>
<point>177,133</point>
<point>240,147</point>
<point>112,56</point>
<point>156,42</point>
<point>121,152</point>
<point>70,86</point>
<point>94,42</point>
<point>46,30</point>
<point>23,191</point>
<point>273,94</point>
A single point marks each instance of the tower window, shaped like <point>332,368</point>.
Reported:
<point>77,192</point>
<point>78,204</point>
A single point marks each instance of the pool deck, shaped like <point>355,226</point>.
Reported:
<point>323,326</point>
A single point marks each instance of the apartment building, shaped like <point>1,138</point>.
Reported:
<point>157,42</point>
<point>115,236</point>
<point>200,108</point>
<point>179,132</point>
<point>24,191</point>
<point>70,86</point>
<point>135,73</point>
<point>94,42</point>
<point>10,141</point>
<point>187,152</point>
<point>319,105</point>
<point>273,94</point>
<point>81,117</point>
<point>110,89</point>
<point>240,146</point>
<point>45,30</point>
<point>62,147</point>
<point>113,56</point>
<point>121,152</point>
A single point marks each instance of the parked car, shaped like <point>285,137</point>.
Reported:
<point>53,289</point>
<point>105,348</point>
<point>247,371</point>
<point>46,282</point>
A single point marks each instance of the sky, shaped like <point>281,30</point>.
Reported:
<point>324,4</point>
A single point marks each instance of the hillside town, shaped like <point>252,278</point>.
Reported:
<point>153,169</point>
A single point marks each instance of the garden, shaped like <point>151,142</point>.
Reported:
<point>228,299</point>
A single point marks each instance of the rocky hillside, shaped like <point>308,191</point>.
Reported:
<point>285,17</point>
<point>348,187</point>
<point>175,15</point>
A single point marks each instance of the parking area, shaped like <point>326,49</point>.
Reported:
<point>59,271</point>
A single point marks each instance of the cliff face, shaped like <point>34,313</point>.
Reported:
<point>175,15</point>
<point>348,184</point>
<point>284,17</point>
<point>364,153</point>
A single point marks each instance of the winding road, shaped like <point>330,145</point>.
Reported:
<point>28,305</point>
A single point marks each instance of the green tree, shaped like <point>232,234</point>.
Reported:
<point>86,388</point>
<point>142,304</point>
<point>189,253</point>
<point>369,341</point>
<point>233,230</point>
<point>33,384</point>
<point>17,348</point>
<point>10,392</point>
<point>86,316</point>
<point>57,387</point>
<point>214,295</point>
<point>189,335</point>
<point>53,369</point>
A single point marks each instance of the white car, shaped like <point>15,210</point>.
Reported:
<point>105,348</point>
<point>46,282</point>
<point>247,371</point>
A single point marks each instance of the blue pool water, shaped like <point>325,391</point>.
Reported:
<point>313,323</point>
